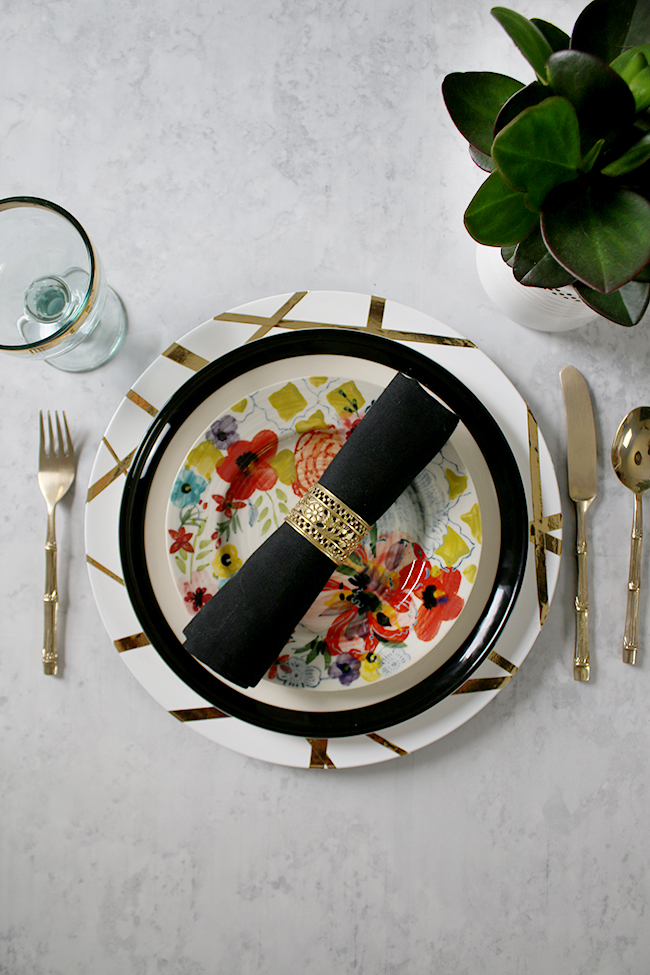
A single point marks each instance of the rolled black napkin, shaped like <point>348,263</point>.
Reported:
<point>241,631</point>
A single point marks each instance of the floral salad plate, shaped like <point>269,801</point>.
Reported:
<point>404,586</point>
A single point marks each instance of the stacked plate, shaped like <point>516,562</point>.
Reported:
<point>438,607</point>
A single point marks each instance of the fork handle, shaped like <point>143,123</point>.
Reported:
<point>50,601</point>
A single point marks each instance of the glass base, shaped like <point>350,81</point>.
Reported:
<point>102,343</point>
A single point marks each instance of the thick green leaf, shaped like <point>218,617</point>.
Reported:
<point>508,254</point>
<point>482,160</point>
<point>644,275</point>
<point>534,266</point>
<point>632,159</point>
<point>589,160</point>
<point>558,40</point>
<point>599,232</point>
<point>602,100</point>
<point>522,99</point>
<point>498,215</point>
<point>640,88</point>
<point>539,149</point>
<point>474,99</point>
<point>626,306</point>
<point>529,39</point>
<point>602,28</point>
<point>631,62</point>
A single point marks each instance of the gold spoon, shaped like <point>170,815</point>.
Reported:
<point>631,461</point>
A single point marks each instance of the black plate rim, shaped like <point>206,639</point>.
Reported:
<point>510,498</point>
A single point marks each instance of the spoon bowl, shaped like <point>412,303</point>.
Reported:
<point>631,463</point>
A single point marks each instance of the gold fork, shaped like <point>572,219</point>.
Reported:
<point>55,475</point>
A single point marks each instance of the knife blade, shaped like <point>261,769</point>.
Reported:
<point>582,458</point>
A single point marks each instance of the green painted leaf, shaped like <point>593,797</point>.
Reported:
<point>632,159</point>
<point>283,508</point>
<point>557,38</point>
<point>598,231</point>
<point>474,99</point>
<point>206,541</point>
<point>626,306</point>
<point>200,568</point>
<point>524,98</point>
<point>311,656</point>
<point>280,494</point>
<point>529,39</point>
<point>266,527</point>
<point>180,564</point>
<point>498,215</point>
<point>539,149</point>
<point>258,501</point>
<point>534,266</point>
<point>182,554</point>
<point>264,513</point>
<point>602,28</point>
<point>602,100</point>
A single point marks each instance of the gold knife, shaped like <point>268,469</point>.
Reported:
<point>581,463</point>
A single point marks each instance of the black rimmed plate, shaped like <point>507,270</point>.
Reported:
<point>194,405</point>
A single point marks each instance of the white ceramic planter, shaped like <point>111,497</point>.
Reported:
<point>543,309</point>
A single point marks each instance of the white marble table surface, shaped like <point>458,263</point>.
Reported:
<point>217,153</point>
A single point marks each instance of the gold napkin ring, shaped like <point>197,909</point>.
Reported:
<point>328,523</point>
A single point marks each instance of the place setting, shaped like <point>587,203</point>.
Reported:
<point>194,535</point>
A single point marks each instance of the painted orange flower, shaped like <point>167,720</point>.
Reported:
<point>314,451</point>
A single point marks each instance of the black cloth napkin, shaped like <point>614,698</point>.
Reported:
<point>241,631</point>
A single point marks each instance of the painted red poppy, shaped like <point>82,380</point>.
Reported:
<point>440,602</point>
<point>247,467</point>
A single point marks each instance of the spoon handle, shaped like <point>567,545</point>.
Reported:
<point>581,666</point>
<point>631,636</point>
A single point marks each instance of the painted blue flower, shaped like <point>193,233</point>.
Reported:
<point>345,668</point>
<point>187,488</point>
<point>297,673</point>
<point>223,432</point>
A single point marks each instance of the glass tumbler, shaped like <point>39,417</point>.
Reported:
<point>54,301</point>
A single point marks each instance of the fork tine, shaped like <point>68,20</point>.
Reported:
<point>59,433</point>
<point>69,447</point>
<point>51,433</point>
<point>41,441</point>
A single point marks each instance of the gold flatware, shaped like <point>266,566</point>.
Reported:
<point>581,464</point>
<point>56,470</point>
<point>631,462</point>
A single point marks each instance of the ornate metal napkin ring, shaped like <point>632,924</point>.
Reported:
<point>328,523</point>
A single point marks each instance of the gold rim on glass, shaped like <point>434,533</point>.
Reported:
<point>30,348</point>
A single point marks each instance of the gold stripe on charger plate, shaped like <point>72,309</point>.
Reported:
<point>142,402</point>
<point>121,467</point>
<point>199,714</point>
<point>102,568</point>
<point>319,757</point>
<point>184,357</point>
<point>131,642</point>
<point>373,324</point>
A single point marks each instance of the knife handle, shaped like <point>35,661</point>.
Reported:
<point>631,635</point>
<point>581,668</point>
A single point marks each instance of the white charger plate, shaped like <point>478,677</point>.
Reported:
<point>271,316</point>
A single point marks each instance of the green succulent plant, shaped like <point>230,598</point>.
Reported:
<point>567,198</point>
